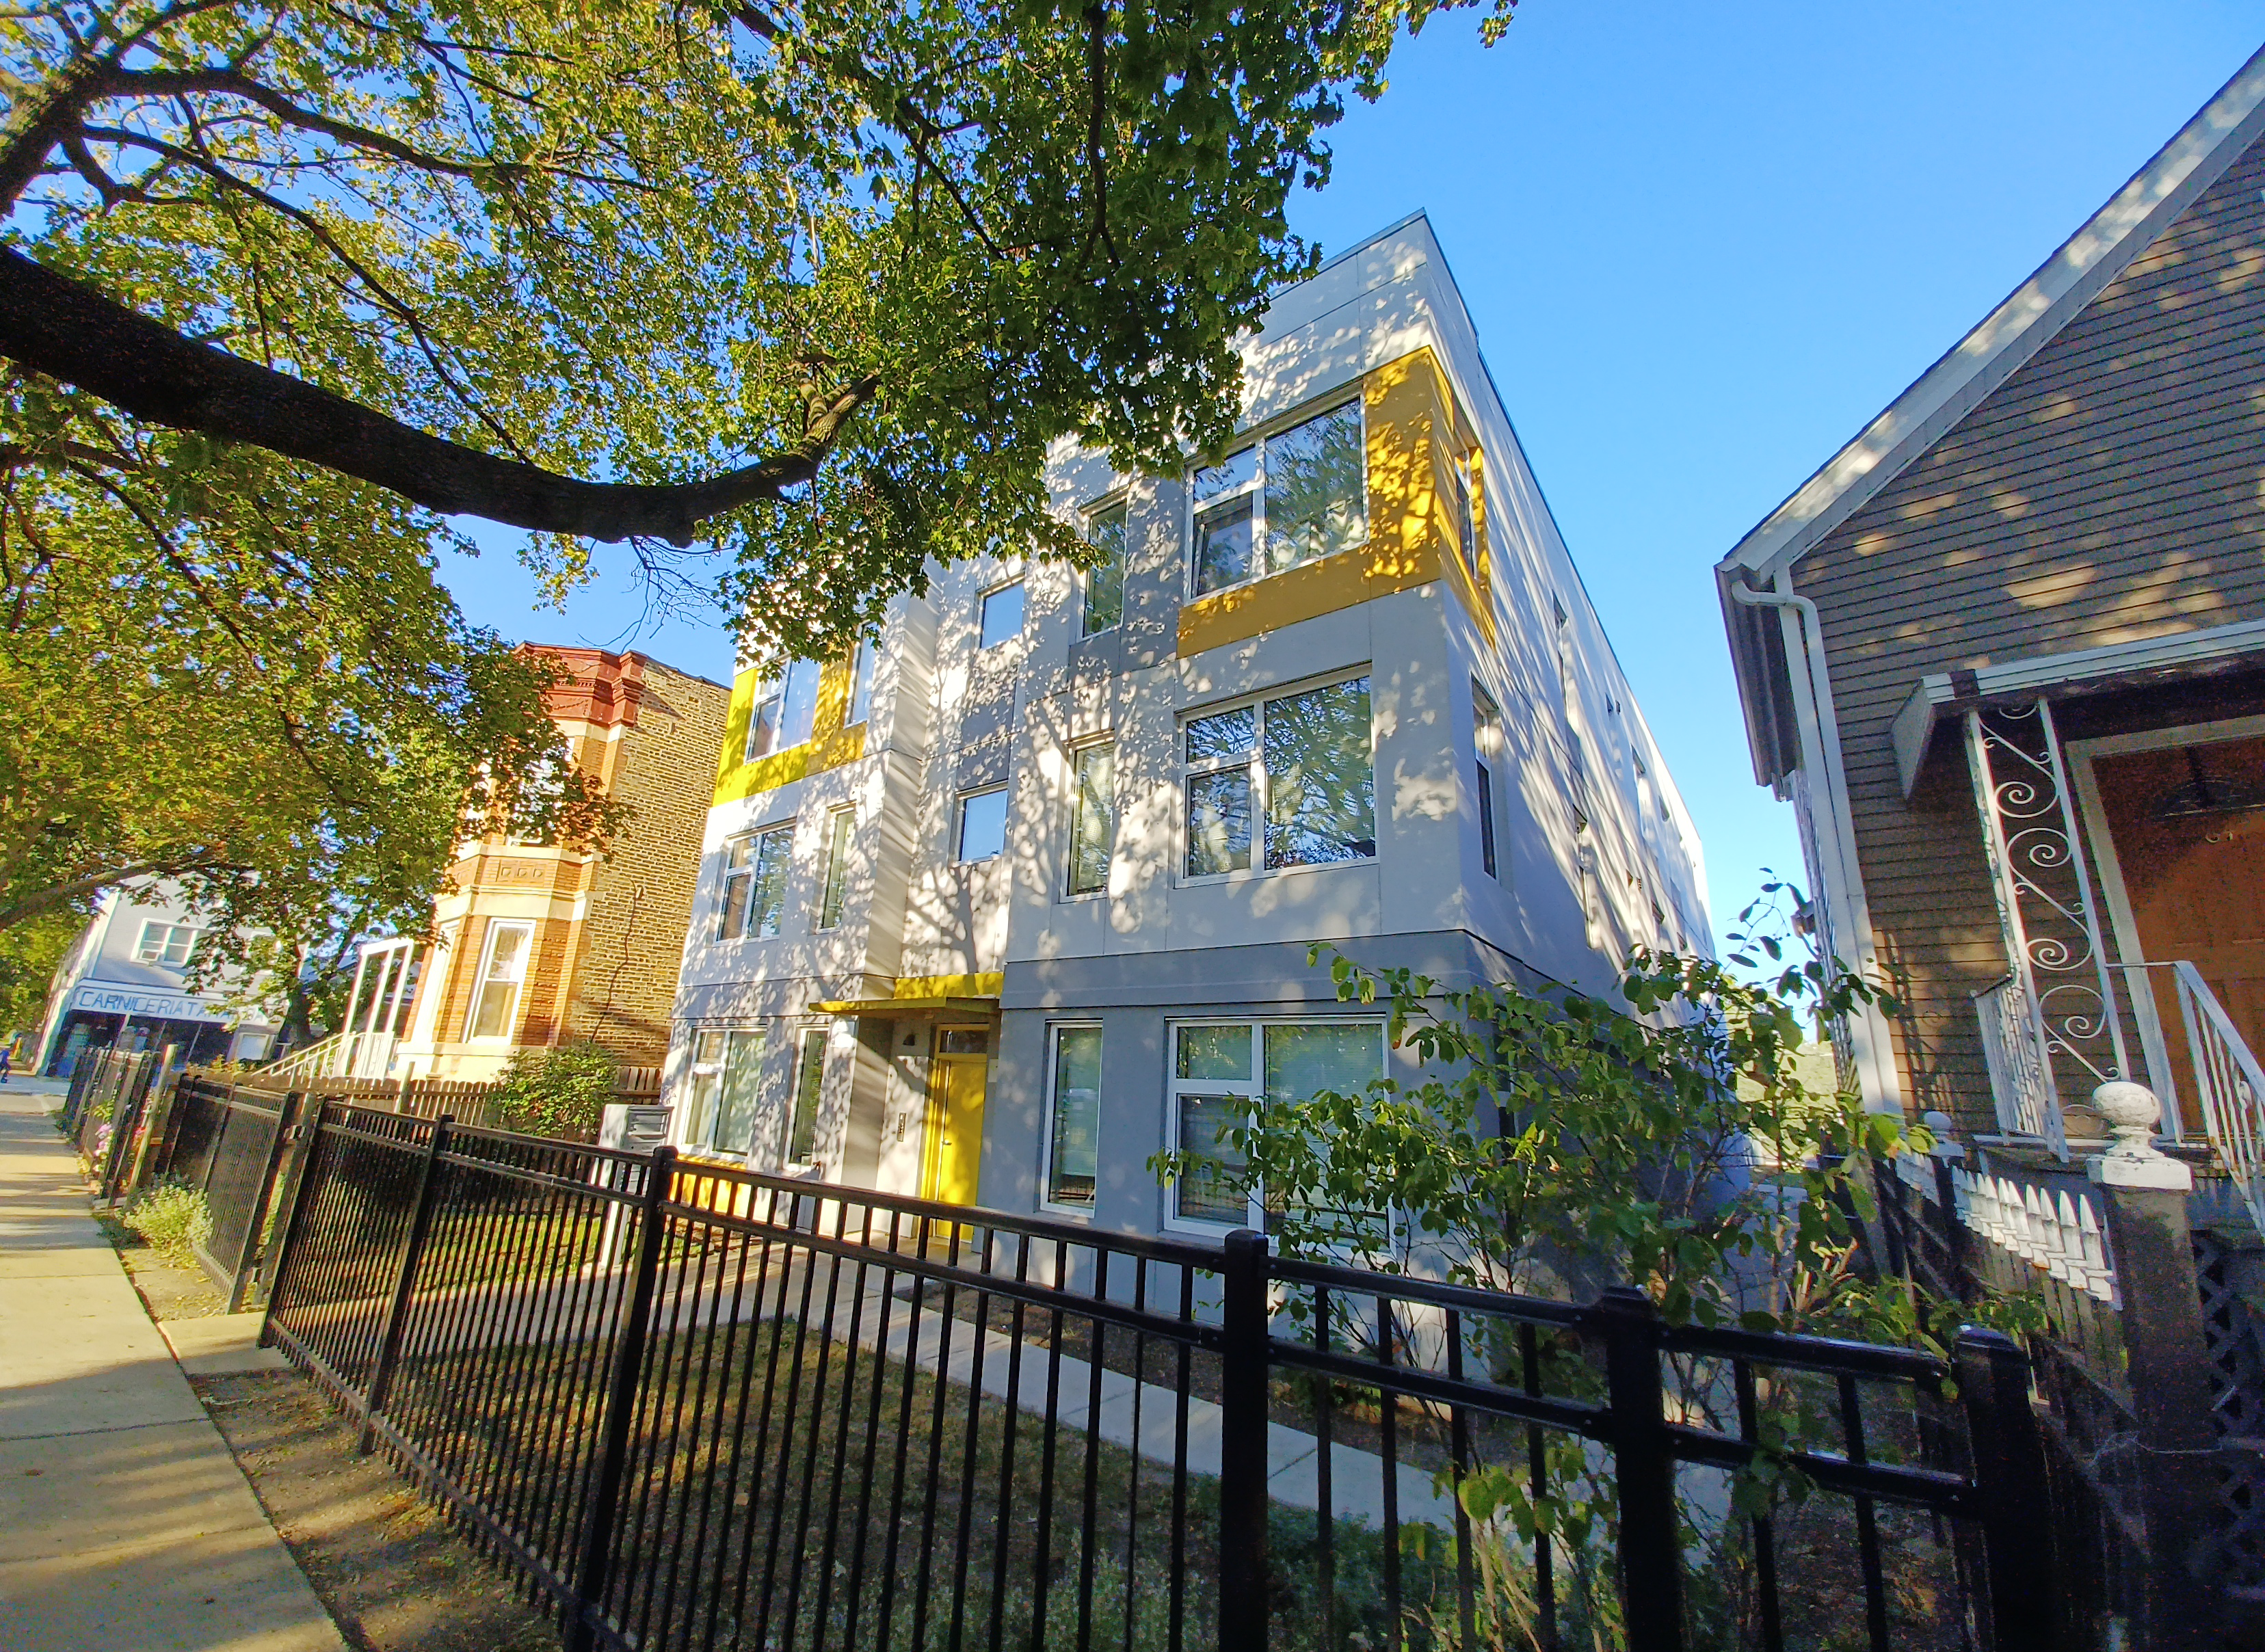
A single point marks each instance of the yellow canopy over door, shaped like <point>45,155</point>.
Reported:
<point>954,1155</point>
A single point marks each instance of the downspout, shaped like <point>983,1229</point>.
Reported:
<point>1804,632</point>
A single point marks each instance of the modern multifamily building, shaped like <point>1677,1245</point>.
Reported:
<point>1022,893</point>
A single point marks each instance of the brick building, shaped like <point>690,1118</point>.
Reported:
<point>543,945</point>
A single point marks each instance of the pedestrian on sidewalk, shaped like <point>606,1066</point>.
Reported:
<point>7,1051</point>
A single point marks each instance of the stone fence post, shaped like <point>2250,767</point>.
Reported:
<point>2173,1470</point>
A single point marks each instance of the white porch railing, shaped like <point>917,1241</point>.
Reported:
<point>2014,1046</point>
<point>2228,1084</point>
<point>2222,1073</point>
<point>308,1061</point>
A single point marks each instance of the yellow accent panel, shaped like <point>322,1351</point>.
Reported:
<point>1304,592</point>
<point>988,985</point>
<point>1413,538</point>
<point>735,730</point>
<point>764,773</point>
<point>829,746</point>
<point>832,744</point>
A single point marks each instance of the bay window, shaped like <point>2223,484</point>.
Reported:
<point>503,970</point>
<point>1288,780</point>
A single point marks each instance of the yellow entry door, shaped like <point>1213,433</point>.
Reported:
<point>955,1129</point>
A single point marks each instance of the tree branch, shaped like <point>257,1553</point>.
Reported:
<point>55,894</point>
<point>54,326</point>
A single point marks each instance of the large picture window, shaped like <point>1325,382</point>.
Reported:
<point>503,970</point>
<point>1288,498</point>
<point>727,1065</point>
<point>1092,817</point>
<point>1285,781</point>
<point>1104,581</point>
<point>1073,1149</point>
<point>785,710</point>
<point>1220,1069</point>
<point>754,884</point>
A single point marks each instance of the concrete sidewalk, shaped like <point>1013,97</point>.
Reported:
<point>125,1524</point>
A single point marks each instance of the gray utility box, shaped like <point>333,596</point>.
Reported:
<point>633,1127</point>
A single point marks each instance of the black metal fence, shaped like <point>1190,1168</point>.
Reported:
<point>702,1408</point>
<point>233,1144</point>
<point>103,1111</point>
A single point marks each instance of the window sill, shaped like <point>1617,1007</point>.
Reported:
<point>1255,579</point>
<point>1210,880</point>
<point>1067,1212</point>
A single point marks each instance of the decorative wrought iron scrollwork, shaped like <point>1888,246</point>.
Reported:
<point>2044,896</point>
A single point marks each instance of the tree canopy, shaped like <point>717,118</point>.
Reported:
<point>815,285</point>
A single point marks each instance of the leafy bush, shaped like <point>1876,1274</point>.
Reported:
<point>562,1091</point>
<point>171,1216</point>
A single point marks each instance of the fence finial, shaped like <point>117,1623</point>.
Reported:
<point>2134,1160</point>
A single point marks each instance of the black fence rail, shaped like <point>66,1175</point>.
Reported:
<point>103,1112</point>
<point>702,1408</point>
<point>234,1144</point>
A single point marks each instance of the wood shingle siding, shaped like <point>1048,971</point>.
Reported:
<point>2112,489</point>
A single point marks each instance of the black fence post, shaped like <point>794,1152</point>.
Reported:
<point>1651,1547</point>
<point>1243,1443</point>
<point>292,1222</point>
<point>594,1568</point>
<point>420,1223</point>
<point>2012,1490</point>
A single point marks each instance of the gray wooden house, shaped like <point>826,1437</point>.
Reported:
<point>2005,652</point>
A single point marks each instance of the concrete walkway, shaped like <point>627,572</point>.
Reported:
<point>125,1524</point>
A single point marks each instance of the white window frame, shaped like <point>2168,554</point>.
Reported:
<point>1488,740</point>
<point>861,684</point>
<point>1077,753</point>
<point>480,983</point>
<point>772,691</point>
<point>749,928</point>
<point>1119,506</point>
<point>1046,1201</point>
<point>142,954</point>
<point>696,1069</point>
<point>1256,490</point>
<point>959,826</point>
<point>834,877</point>
<point>1252,1089</point>
<point>983,608</point>
<point>824,1033</point>
<point>1256,763</point>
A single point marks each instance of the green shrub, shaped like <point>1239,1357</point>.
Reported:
<point>558,1092</point>
<point>170,1217</point>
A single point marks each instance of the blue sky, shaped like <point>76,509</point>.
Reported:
<point>1702,245</point>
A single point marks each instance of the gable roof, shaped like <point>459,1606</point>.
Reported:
<point>2012,332</point>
